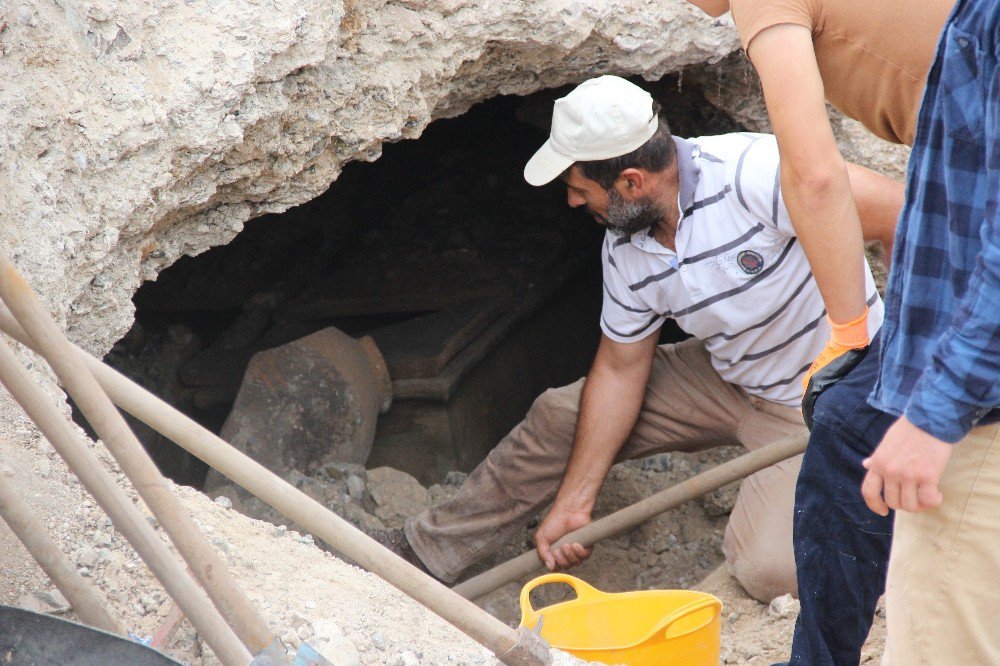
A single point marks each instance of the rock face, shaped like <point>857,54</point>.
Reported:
<point>136,133</point>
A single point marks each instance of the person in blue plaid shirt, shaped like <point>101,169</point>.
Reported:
<point>939,364</point>
<point>935,407</point>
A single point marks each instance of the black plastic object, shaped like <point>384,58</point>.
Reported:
<point>826,377</point>
<point>34,639</point>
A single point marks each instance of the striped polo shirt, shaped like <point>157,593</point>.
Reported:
<point>739,279</point>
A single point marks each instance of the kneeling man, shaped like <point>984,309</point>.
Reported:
<point>697,232</point>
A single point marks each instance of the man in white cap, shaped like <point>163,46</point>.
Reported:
<point>697,232</point>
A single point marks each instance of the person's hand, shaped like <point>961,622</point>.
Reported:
<point>905,469</point>
<point>843,338</point>
<point>557,524</point>
<point>826,377</point>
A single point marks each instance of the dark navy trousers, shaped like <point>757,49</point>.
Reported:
<point>841,546</point>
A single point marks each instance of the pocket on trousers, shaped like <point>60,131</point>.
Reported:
<point>963,103</point>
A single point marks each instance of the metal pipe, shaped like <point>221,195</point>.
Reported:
<point>638,513</point>
<point>32,533</point>
<point>510,646</point>
<point>110,426</point>
<point>126,517</point>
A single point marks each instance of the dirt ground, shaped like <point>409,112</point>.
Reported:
<point>306,594</point>
<point>677,550</point>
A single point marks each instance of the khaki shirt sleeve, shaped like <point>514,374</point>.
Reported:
<point>753,16</point>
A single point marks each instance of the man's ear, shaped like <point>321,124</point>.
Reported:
<point>632,184</point>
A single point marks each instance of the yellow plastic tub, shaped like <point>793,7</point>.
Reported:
<point>676,627</point>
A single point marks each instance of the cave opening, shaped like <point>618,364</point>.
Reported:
<point>479,290</point>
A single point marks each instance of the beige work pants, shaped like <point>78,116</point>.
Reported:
<point>943,589</point>
<point>687,407</point>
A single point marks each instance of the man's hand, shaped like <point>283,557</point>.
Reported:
<point>905,469</point>
<point>557,524</point>
<point>827,376</point>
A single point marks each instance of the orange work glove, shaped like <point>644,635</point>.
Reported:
<point>843,338</point>
<point>848,345</point>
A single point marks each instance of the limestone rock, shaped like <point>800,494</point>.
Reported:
<point>784,606</point>
<point>395,495</point>
<point>331,643</point>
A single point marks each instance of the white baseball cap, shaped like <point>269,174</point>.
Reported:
<point>602,118</point>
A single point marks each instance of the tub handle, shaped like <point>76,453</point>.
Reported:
<point>530,616</point>
<point>687,609</point>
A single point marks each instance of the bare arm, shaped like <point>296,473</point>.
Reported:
<point>879,200</point>
<point>609,406</point>
<point>814,176</point>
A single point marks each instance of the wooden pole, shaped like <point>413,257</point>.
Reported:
<point>29,529</point>
<point>514,648</point>
<point>126,517</point>
<point>110,426</point>
<point>638,513</point>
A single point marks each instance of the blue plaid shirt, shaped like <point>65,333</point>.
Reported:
<point>940,351</point>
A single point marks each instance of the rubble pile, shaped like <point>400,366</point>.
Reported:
<point>675,550</point>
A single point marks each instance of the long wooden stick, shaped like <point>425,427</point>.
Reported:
<point>638,513</point>
<point>110,426</point>
<point>126,517</point>
<point>32,533</point>
<point>513,648</point>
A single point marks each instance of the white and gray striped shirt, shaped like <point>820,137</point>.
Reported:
<point>739,279</point>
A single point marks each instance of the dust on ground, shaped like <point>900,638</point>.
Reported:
<point>306,594</point>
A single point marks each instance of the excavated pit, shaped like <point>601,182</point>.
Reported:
<point>479,290</point>
<point>438,240</point>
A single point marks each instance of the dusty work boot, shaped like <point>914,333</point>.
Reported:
<point>396,541</point>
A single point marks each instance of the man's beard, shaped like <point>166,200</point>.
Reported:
<point>627,217</point>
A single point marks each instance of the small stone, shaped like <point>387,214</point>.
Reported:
<point>355,487</point>
<point>280,531</point>
<point>224,502</point>
<point>87,557</point>
<point>331,644</point>
<point>403,659</point>
<point>222,544</point>
<point>339,471</point>
<point>455,478</point>
<point>290,638</point>
<point>306,538</point>
<point>784,606</point>
<point>661,462</point>
<point>45,601</point>
<point>378,640</point>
